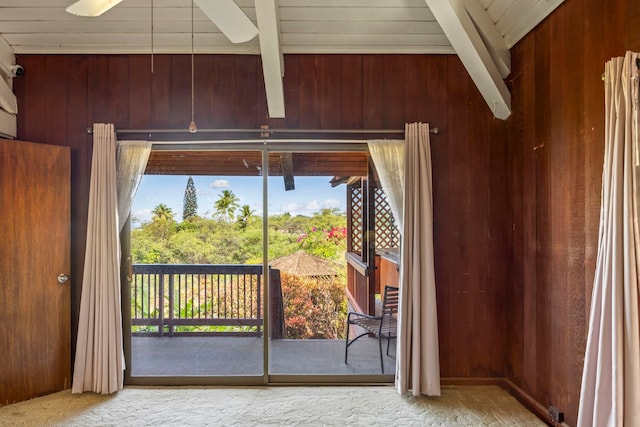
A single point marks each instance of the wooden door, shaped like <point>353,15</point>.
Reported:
<point>34,250</point>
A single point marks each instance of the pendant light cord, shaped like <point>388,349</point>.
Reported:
<point>192,69</point>
<point>151,36</point>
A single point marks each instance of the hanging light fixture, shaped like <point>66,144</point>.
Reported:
<point>192,125</point>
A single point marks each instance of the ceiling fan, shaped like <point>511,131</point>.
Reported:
<point>225,14</point>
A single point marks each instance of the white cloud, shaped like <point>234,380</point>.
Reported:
<point>332,203</point>
<point>142,215</point>
<point>313,205</point>
<point>220,183</point>
<point>291,207</point>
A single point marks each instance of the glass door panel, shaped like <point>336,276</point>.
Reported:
<point>197,284</point>
<point>309,228</point>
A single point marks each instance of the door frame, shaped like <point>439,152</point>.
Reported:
<point>265,146</point>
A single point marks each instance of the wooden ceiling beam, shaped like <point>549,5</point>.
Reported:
<point>496,44</point>
<point>474,54</point>
<point>271,53</point>
<point>287,171</point>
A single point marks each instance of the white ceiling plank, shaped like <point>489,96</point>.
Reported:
<point>497,8</point>
<point>369,27</point>
<point>369,49</point>
<point>354,3</point>
<point>321,13</point>
<point>527,22</point>
<point>365,39</point>
<point>491,36</point>
<point>465,39</point>
<point>271,53</point>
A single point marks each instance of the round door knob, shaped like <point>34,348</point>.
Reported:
<point>62,278</point>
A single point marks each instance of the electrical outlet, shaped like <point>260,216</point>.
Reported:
<point>555,414</point>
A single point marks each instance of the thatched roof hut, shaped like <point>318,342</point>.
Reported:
<point>304,264</point>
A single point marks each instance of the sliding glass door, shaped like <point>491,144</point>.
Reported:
<point>239,271</point>
<point>197,289</point>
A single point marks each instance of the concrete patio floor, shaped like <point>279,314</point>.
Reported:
<point>219,356</point>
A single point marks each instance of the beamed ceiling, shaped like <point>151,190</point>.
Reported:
<point>480,32</point>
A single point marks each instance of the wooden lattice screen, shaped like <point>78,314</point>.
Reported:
<point>387,233</point>
<point>386,230</point>
<point>357,222</point>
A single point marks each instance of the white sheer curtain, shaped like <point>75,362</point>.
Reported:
<point>388,158</point>
<point>131,160</point>
<point>610,393</point>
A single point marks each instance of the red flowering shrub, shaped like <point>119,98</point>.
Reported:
<point>314,308</point>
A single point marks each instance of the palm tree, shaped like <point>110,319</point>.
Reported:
<point>245,214</point>
<point>162,211</point>
<point>227,204</point>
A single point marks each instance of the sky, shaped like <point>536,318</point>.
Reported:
<point>310,195</point>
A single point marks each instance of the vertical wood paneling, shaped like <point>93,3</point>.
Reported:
<point>351,91</point>
<point>161,92</point>
<point>329,92</point>
<point>291,91</point>
<point>560,209</point>
<point>593,107</point>
<point>308,92</point>
<point>224,92</point>
<point>633,15</point>
<point>30,118</point>
<point>245,107</point>
<point>119,91</point>
<point>372,86</point>
<point>204,86</point>
<point>180,98</point>
<point>436,101</point>
<point>79,141</point>
<point>460,285</point>
<point>393,92</point>
<point>542,321</point>
<point>98,89</point>
<point>139,96</point>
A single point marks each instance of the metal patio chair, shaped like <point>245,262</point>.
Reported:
<point>383,326</point>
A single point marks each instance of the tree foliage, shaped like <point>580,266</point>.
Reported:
<point>226,205</point>
<point>216,241</point>
<point>313,308</point>
<point>190,201</point>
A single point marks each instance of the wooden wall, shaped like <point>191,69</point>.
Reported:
<point>555,164</point>
<point>61,95</point>
<point>516,202</point>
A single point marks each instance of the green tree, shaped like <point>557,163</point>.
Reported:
<point>162,211</point>
<point>227,204</point>
<point>190,201</point>
<point>245,215</point>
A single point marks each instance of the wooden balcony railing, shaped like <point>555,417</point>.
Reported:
<point>223,300</point>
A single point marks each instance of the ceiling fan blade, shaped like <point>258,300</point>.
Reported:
<point>91,7</point>
<point>230,19</point>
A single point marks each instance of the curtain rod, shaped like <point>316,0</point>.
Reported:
<point>433,130</point>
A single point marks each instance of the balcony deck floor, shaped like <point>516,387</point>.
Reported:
<point>214,356</point>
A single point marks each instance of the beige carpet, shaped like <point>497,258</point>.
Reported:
<point>272,406</point>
